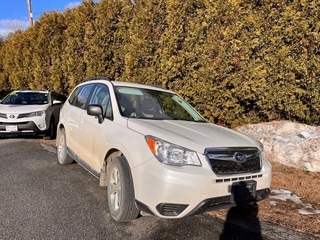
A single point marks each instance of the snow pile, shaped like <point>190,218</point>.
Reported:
<point>292,144</point>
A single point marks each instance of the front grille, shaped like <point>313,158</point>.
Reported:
<point>23,115</point>
<point>223,160</point>
<point>15,123</point>
<point>2,115</point>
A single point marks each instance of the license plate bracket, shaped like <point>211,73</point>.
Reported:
<point>11,128</point>
<point>243,191</point>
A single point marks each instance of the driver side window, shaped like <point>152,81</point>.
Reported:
<point>101,96</point>
<point>81,95</point>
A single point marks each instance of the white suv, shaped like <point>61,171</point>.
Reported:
<point>155,153</point>
<point>30,112</point>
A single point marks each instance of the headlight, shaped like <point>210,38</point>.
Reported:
<point>262,153</point>
<point>36,114</point>
<point>171,154</point>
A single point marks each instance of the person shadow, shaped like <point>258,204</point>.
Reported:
<point>242,220</point>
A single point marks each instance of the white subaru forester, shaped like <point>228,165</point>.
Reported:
<point>155,153</point>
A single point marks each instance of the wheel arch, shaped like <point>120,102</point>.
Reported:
<point>110,155</point>
<point>59,127</point>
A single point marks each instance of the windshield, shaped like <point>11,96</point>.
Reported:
<point>26,98</point>
<point>152,104</point>
<point>4,93</point>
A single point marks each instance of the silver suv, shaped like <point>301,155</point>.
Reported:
<point>155,153</point>
<point>34,112</point>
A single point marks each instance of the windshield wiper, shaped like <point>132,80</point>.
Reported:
<point>189,120</point>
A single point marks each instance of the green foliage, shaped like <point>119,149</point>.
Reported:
<point>49,43</point>
<point>143,42</point>
<point>99,40</point>
<point>237,61</point>
<point>16,59</point>
<point>3,76</point>
<point>77,37</point>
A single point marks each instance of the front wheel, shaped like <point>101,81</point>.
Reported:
<point>120,191</point>
<point>62,154</point>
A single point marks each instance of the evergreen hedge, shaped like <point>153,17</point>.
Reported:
<point>236,61</point>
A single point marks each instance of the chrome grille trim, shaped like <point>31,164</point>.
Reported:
<point>23,115</point>
<point>13,123</point>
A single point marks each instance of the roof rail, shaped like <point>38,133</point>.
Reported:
<point>98,78</point>
<point>155,85</point>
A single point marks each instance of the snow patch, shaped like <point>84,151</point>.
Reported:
<point>285,195</point>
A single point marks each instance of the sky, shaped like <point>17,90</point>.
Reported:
<point>14,13</point>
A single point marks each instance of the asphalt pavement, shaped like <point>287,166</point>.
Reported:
<point>41,199</point>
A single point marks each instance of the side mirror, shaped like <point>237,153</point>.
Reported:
<point>95,110</point>
<point>56,102</point>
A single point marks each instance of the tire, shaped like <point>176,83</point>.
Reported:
<point>120,191</point>
<point>51,132</point>
<point>62,153</point>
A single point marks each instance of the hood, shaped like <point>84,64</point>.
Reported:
<point>192,135</point>
<point>18,109</point>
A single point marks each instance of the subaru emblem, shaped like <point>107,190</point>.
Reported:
<point>240,157</point>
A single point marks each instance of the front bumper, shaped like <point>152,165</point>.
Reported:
<point>174,210</point>
<point>26,127</point>
<point>172,192</point>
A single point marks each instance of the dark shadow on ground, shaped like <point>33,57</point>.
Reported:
<point>242,221</point>
<point>22,136</point>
